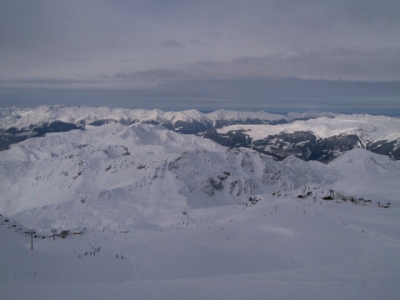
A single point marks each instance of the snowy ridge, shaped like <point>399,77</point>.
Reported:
<point>21,118</point>
<point>243,116</point>
<point>292,116</point>
<point>368,128</point>
<point>364,161</point>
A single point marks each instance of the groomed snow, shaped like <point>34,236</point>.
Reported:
<point>280,248</point>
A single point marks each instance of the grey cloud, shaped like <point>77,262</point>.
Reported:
<point>340,64</point>
<point>194,51</point>
<point>197,42</point>
<point>48,81</point>
<point>380,14</point>
<point>274,95</point>
<point>171,43</point>
<point>157,75</point>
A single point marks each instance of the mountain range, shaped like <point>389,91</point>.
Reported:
<point>120,206</point>
<point>122,174</point>
<point>309,136</point>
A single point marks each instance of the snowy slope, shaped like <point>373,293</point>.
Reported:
<point>280,248</point>
<point>368,128</point>
<point>366,173</point>
<point>118,174</point>
<point>364,161</point>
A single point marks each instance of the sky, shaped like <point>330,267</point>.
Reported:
<point>278,56</point>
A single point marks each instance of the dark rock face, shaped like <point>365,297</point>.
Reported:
<point>234,139</point>
<point>302,144</point>
<point>56,126</point>
<point>13,135</point>
<point>307,146</point>
<point>187,127</point>
<point>327,149</point>
<point>7,139</point>
<point>285,144</point>
<point>102,122</point>
<point>391,149</point>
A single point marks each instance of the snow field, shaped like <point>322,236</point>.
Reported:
<point>303,248</point>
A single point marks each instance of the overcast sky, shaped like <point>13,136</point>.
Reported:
<point>170,54</point>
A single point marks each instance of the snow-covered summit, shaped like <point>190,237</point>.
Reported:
<point>243,116</point>
<point>25,117</point>
<point>363,161</point>
<point>21,118</point>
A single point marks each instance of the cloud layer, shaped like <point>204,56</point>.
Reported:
<point>149,47</point>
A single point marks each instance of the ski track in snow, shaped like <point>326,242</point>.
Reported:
<point>379,236</point>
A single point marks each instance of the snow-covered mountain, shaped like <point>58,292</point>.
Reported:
<point>118,174</point>
<point>127,174</point>
<point>22,118</point>
<point>17,124</point>
<point>320,139</point>
<point>309,136</point>
<point>128,170</point>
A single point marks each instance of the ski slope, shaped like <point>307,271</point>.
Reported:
<point>280,248</point>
